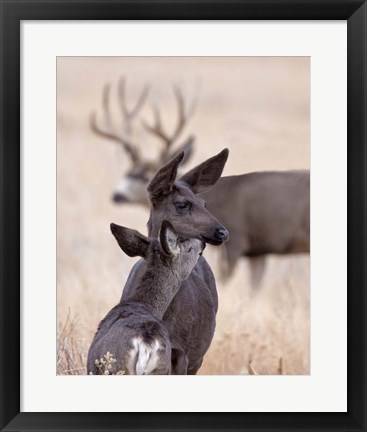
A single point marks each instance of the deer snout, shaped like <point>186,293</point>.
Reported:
<point>119,198</point>
<point>221,234</point>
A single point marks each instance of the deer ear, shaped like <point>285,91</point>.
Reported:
<point>130,241</point>
<point>169,239</point>
<point>205,175</point>
<point>186,148</point>
<point>163,181</point>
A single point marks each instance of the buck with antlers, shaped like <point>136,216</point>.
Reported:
<point>132,187</point>
<point>265,212</point>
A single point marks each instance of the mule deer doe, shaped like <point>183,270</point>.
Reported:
<point>133,331</point>
<point>265,212</point>
<point>190,317</point>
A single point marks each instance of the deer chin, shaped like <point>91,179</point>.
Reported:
<point>212,241</point>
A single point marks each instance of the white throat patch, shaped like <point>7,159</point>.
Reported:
<point>133,189</point>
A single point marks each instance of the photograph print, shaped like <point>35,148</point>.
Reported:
<point>183,216</point>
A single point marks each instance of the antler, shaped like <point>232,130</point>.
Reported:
<point>184,114</point>
<point>108,130</point>
<point>129,115</point>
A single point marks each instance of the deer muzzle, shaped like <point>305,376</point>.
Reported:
<point>220,236</point>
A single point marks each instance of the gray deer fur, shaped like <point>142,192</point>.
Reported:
<point>190,317</point>
<point>133,331</point>
<point>272,215</point>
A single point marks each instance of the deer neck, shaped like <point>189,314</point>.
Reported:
<point>158,285</point>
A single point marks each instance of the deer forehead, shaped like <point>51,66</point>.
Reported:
<point>184,192</point>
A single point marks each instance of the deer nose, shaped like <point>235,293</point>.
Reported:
<point>222,234</point>
<point>118,198</point>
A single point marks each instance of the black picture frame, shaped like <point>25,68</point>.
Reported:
<point>12,12</point>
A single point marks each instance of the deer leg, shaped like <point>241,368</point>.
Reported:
<point>193,368</point>
<point>257,270</point>
<point>232,250</point>
<point>179,362</point>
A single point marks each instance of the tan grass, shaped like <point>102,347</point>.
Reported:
<point>71,349</point>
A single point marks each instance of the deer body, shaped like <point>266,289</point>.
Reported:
<point>133,331</point>
<point>269,213</point>
<point>137,340</point>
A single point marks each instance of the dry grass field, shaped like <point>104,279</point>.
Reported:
<point>259,109</point>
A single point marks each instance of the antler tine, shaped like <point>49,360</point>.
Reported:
<point>184,112</point>
<point>108,131</point>
<point>122,95</point>
<point>194,102</point>
<point>106,105</point>
<point>183,116</point>
<point>141,100</point>
<point>130,114</point>
<point>157,128</point>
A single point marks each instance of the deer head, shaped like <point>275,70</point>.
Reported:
<point>176,200</point>
<point>178,253</point>
<point>132,186</point>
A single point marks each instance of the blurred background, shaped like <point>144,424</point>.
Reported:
<point>258,107</point>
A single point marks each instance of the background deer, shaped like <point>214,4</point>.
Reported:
<point>133,331</point>
<point>265,212</point>
<point>190,317</point>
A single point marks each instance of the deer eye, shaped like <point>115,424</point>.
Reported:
<point>182,206</point>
